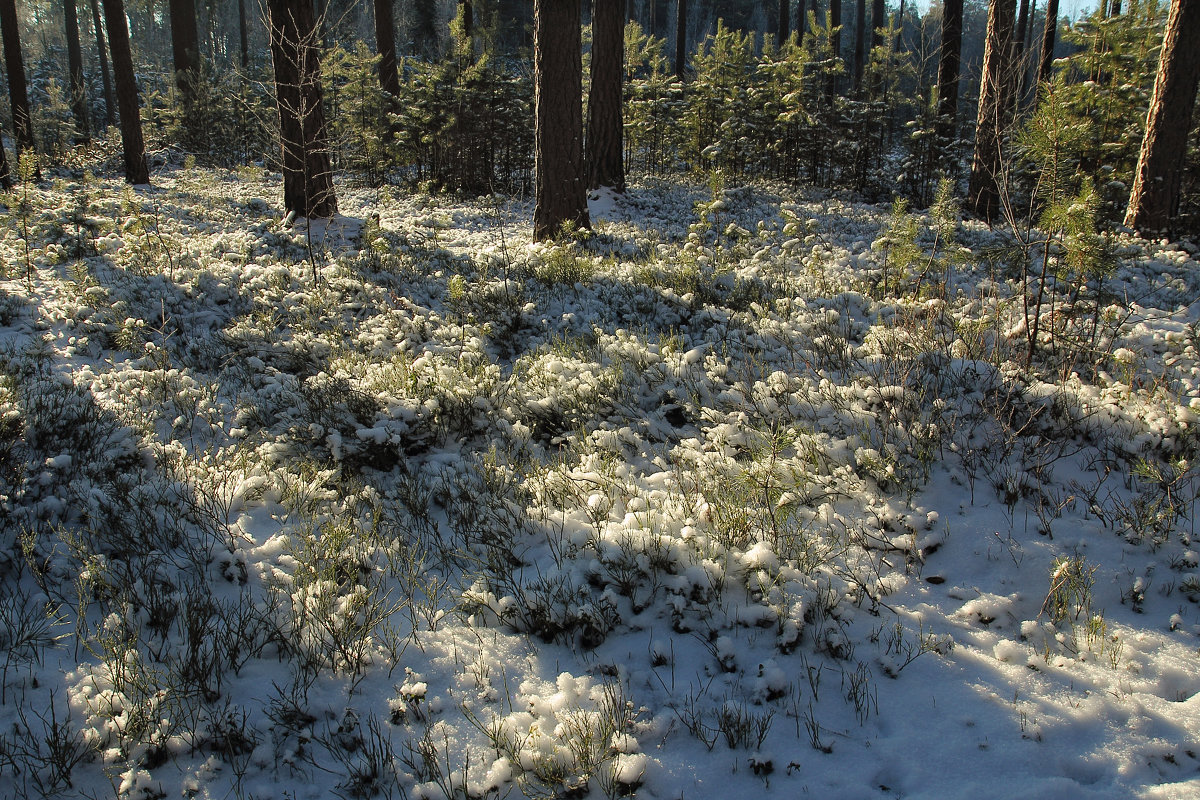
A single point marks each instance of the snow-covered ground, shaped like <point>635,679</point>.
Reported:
<point>741,497</point>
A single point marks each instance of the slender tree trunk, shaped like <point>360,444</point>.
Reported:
<point>1022,24</point>
<point>835,39</point>
<point>5,174</point>
<point>295,52</point>
<point>468,19</point>
<point>860,27</point>
<point>983,193</point>
<point>14,65</point>
<point>75,67</point>
<point>1154,199</point>
<point>110,103</point>
<point>185,49</point>
<point>558,118</point>
<point>243,34</point>
<point>1017,70</point>
<point>879,23</point>
<point>948,69</point>
<point>605,137</point>
<point>136,169</point>
<point>680,38</point>
<point>1048,37</point>
<point>425,32</point>
<point>385,43</point>
<point>785,21</point>
<point>835,22</point>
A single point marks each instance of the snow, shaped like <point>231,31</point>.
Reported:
<point>406,505</point>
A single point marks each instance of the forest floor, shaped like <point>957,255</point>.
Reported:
<point>750,493</point>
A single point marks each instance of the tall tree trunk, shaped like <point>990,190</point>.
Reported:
<point>385,43</point>
<point>110,103</point>
<point>1154,199</point>
<point>136,169</point>
<point>468,19</point>
<point>75,67</point>
<point>948,69</point>
<point>243,34</point>
<point>785,21</point>
<point>835,23</point>
<point>14,65</point>
<point>1048,37</point>
<point>5,174</point>
<point>1017,71</point>
<point>605,134</point>
<point>558,118</point>
<point>860,28</point>
<point>835,39</point>
<point>879,24</point>
<point>680,37</point>
<point>425,32</point>
<point>983,192</point>
<point>185,49</point>
<point>1022,24</point>
<point>296,52</point>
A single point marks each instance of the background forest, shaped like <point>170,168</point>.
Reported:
<point>851,103</point>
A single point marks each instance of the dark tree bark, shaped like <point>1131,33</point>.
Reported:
<point>948,69</point>
<point>605,133</point>
<point>468,18</point>
<point>680,38</point>
<point>1022,25</point>
<point>878,23</point>
<point>5,175</point>
<point>558,118</point>
<point>983,191</point>
<point>136,169</point>
<point>1048,37</point>
<point>75,68</point>
<point>425,32</point>
<point>295,52</point>
<point>243,34</point>
<point>14,65</point>
<point>785,21</point>
<point>860,28</point>
<point>385,43</point>
<point>802,19</point>
<point>185,49</point>
<point>110,103</point>
<point>1154,199</point>
<point>835,22</point>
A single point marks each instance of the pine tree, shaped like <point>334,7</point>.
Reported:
<point>385,45</point>
<point>110,104</point>
<point>983,193</point>
<point>295,52</point>
<point>133,145</point>
<point>185,49</point>
<point>680,37</point>
<point>75,68</point>
<point>948,69</point>
<point>1156,187</point>
<point>14,64</point>
<point>605,147</point>
<point>558,119</point>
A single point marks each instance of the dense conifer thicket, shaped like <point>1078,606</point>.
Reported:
<point>711,89</point>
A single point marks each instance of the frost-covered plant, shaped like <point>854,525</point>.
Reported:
<point>338,599</point>
<point>1070,595</point>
